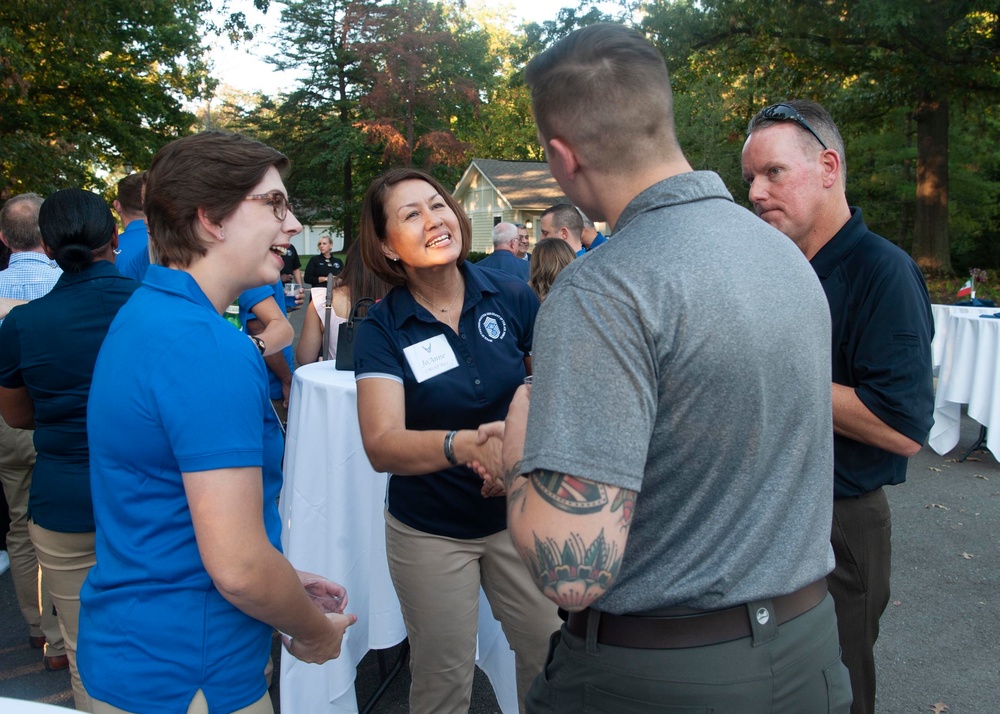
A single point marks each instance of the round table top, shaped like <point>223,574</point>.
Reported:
<point>21,706</point>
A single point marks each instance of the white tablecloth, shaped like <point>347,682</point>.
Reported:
<point>942,318</point>
<point>969,374</point>
<point>20,706</point>
<point>332,524</point>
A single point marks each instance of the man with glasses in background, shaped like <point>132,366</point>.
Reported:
<point>522,242</point>
<point>883,398</point>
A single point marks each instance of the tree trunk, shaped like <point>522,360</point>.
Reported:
<point>930,239</point>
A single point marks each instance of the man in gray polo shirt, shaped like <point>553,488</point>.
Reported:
<point>677,503</point>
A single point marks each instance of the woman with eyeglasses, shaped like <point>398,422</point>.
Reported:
<point>190,581</point>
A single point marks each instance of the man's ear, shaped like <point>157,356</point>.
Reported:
<point>830,161</point>
<point>563,152</point>
<point>3,239</point>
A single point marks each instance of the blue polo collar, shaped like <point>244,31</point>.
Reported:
<point>176,282</point>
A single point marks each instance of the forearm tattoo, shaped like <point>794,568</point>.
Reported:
<point>515,486</point>
<point>573,574</point>
<point>625,500</point>
<point>569,493</point>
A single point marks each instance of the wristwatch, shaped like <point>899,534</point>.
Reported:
<point>259,342</point>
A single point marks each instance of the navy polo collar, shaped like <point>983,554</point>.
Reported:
<point>99,269</point>
<point>837,248</point>
<point>405,306</point>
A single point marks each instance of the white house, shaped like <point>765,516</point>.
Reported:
<point>492,191</point>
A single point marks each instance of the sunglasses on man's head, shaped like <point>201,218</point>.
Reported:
<point>784,112</point>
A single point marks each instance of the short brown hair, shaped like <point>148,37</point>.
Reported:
<point>130,192</point>
<point>373,218</point>
<point>820,121</point>
<point>565,215</point>
<point>213,171</point>
<point>605,65</point>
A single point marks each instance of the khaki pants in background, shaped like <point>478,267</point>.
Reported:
<point>17,461</point>
<point>437,581</point>
<point>66,558</point>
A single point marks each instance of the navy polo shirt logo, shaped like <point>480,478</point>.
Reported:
<point>492,327</point>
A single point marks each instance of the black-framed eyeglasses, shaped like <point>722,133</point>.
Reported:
<point>784,112</point>
<point>279,203</point>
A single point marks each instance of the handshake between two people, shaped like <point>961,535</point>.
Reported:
<point>500,444</point>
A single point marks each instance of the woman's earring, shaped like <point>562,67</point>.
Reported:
<point>118,251</point>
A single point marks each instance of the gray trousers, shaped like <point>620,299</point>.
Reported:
<point>862,544</point>
<point>788,669</point>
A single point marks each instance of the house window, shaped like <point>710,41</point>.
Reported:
<point>497,219</point>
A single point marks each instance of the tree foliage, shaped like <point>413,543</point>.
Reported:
<point>865,60</point>
<point>92,86</point>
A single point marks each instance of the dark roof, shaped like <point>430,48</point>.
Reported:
<point>525,184</point>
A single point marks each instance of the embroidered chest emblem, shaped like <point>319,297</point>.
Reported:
<point>492,327</point>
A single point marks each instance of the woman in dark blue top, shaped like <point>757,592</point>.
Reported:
<point>441,355</point>
<point>49,347</point>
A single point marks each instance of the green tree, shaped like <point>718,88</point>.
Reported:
<point>316,122</point>
<point>88,87</point>
<point>385,84</point>
<point>872,56</point>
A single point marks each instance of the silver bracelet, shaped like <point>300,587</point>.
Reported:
<point>448,452</point>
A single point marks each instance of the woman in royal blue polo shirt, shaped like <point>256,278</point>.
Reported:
<point>442,354</point>
<point>46,365</point>
<point>186,456</point>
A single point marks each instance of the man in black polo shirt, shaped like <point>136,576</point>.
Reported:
<point>883,397</point>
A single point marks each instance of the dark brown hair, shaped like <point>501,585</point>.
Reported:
<point>373,220</point>
<point>359,280</point>
<point>213,171</point>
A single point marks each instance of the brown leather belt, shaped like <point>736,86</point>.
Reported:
<point>705,628</point>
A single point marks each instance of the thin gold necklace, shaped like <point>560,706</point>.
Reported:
<point>439,309</point>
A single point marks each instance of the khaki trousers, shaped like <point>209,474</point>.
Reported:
<point>437,581</point>
<point>17,461</point>
<point>198,705</point>
<point>66,558</point>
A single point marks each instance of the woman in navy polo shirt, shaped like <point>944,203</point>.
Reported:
<point>46,365</point>
<point>441,355</point>
<point>186,456</point>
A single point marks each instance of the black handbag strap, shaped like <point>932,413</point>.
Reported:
<point>363,302</point>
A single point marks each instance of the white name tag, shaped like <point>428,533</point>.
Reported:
<point>430,358</point>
